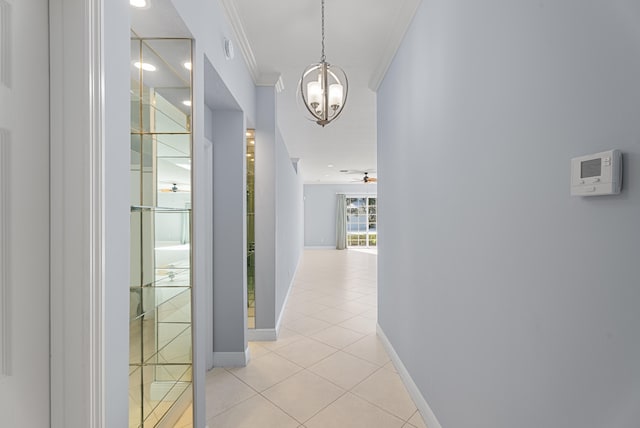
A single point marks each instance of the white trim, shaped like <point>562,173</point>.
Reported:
<point>399,28</point>
<point>57,225</point>
<point>5,43</point>
<point>359,195</point>
<point>422,405</point>
<point>207,162</point>
<point>77,217</point>
<point>271,79</point>
<point>262,334</point>
<point>96,216</point>
<point>231,359</point>
<point>233,16</point>
<point>286,298</point>
<point>5,264</point>
<point>271,334</point>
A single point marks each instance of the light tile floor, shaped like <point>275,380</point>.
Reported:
<point>327,369</point>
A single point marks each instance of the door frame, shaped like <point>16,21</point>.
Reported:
<point>79,300</point>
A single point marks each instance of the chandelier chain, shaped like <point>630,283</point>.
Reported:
<point>323,56</point>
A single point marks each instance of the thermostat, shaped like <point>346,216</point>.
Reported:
<point>597,174</point>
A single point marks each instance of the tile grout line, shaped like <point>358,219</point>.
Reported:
<point>307,288</point>
<point>374,404</point>
<point>312,416</point>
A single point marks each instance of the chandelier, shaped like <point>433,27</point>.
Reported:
<point>323,88</point>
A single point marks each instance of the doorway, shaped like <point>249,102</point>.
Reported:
<point>362,222</point>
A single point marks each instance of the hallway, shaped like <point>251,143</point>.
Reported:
<point>327,369</point>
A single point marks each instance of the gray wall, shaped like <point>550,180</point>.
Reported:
<point>279,213</point>
<point>289,222</point>
<point>511,303</point>
<point>229,232</point>
<point>265,207</point>
<point>320,210</point>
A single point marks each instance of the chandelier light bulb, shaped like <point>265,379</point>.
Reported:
<point>335,96</point>
<point>314,91</point>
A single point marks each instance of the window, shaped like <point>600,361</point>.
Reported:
<point>362,222</point>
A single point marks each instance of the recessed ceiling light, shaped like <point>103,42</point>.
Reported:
<point>187,103</point>
<point>253,160</point>
<point>145,66</point>
<point>187,65</point>
<point>249,155</point>
<point>248,134</point>
<point>138,3</point>
<point>252,142</point>
<point>330,165</point>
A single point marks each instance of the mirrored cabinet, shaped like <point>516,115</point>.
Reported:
<point>160,363</point>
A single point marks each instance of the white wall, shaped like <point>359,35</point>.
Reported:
<point>90,161</point>
<point>206,20</point>
<point>25,247</point>
<point>320,203</point>
<point>117,161</point>
<point>279,215</point>
<point>511,303</point>
<point>74,367</point>
<point>289,222</point>
<point>208,26</point>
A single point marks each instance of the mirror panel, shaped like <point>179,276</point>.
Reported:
<point>251,229</point>
<point>161,277</point>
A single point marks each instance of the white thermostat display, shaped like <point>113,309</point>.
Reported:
<point>597,174</point>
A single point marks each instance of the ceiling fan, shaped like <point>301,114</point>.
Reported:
<point>365,178</point>
<point>173,187</point>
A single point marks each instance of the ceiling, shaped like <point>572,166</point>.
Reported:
<point>284,37</point>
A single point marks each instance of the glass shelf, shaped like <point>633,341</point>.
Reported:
<point>160,289</point>
<point>143,208</point>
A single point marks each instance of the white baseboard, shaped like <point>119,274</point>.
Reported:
<point>422,405</point>
<point>320,247</point>
<point>231,359</point>
<point>286,298</point>
<point>271,334</point>
<point>262,334</point>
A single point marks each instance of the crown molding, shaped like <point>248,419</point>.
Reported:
<point>271,79</point>
<point>279,85</point>
<point>237,25</point>
<point>398,30</point>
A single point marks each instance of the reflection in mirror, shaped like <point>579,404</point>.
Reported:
<point>160,288</point>
<point>251,231</point>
